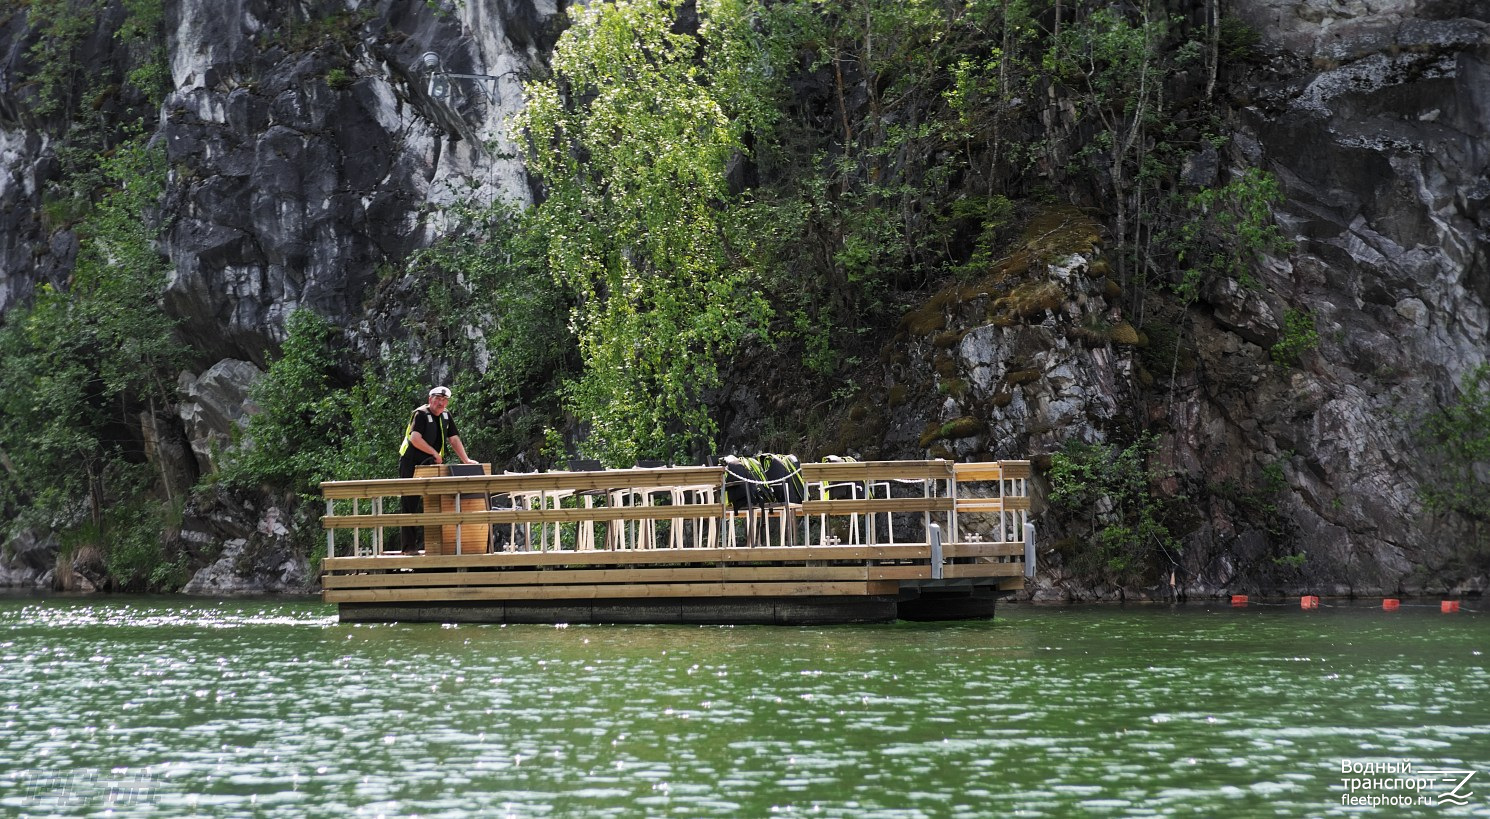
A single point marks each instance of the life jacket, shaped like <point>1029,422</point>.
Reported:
<point>763,479</point>
<point>841,491</point>
<point>784,474</point>
<point>740,478</point>
<point>409,430</point>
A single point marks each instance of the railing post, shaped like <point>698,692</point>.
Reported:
<point>953,533</point>
<point>1004,516</point>
<point>936,551</point>
<point>459,509</point>
<point>726,517</point>
<point>378,531</point>
<point>1029,551</point>
<point>543,527</point>
<point>330,533</point>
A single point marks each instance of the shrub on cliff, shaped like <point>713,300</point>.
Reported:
<point>1105,490</point>
<point>1458,438</point>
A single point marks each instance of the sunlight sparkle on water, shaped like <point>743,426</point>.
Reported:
<point>1100,710</point>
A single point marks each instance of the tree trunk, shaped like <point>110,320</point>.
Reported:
<point>848,134</point>
<point>1213,14</point>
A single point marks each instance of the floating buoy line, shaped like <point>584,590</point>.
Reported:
<point>1312,601</point>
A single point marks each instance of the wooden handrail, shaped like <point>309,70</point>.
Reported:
<point>874,506</point>
<point>632,557</point>
<point>527,482</point>
<point>685,511</point>
<point>857,471</point>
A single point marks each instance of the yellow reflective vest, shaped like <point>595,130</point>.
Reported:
<point>409,430</point>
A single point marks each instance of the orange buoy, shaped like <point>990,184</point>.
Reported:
<point>1391,604</point>
<point>1448,606</point>
<point>1239,599</point>
<point>1309,601</point>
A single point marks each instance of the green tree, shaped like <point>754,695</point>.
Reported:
<point>80,366</point>
<point>901,132</point>
<point>1223,231</point>
<point>1113,66</point>
<point>1299,336</point>
<point>321,415</point>
<point>1457,441</point>
<point>488,274</point>
<point>62,27</point>
<point>632,137</point>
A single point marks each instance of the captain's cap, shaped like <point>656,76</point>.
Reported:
<point>444,391</point>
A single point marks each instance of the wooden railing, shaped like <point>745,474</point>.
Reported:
<point>864,528</point>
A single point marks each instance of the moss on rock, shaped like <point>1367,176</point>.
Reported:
<point>964,427</point>
<point>1031,299</point>
<point>1125,333</point>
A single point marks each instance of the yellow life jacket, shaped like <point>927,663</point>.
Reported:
<point>409,430</point>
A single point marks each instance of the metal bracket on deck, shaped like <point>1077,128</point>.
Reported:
<point>936,551</point>
<point>1029,551</point>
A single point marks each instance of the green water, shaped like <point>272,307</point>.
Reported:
<point>153,707</point>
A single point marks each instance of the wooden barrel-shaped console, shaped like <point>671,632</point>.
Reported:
<point>450,539</point>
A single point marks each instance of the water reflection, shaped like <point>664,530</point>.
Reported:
<point>159,708</point>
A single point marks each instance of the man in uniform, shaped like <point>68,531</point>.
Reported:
<point>430,430</point>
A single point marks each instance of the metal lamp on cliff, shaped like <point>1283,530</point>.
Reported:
<point>439,81</point>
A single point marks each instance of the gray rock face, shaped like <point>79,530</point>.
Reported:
<point>27,255</point>
<point>264,563</point>
<point>1033,384</point>
<point>1373,116</point>
<point>1009,388</point>
<point>213,405</point>
<point>29,561</point>
<point>297,174</point>
<point>251,548</point>
<point>36,243</point>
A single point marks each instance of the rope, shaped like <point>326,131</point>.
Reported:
<point>1324,605</point>
<point>733,478</point>
<point>797,473</point>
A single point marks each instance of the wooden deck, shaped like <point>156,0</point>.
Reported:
<point>870,541</point>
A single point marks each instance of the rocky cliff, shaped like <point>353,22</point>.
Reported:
<point>1373,116</point>
<point>308,154</point>
<point>307,158</point>
<point>312,146</point>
